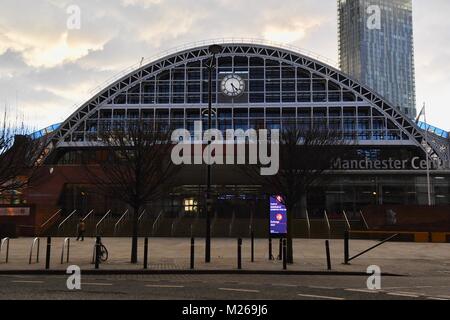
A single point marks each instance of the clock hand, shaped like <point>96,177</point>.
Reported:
<point>234,87</point>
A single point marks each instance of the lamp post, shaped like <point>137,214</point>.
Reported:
<point>213,49</point>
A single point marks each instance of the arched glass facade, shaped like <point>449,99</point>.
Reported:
<point>276,94</point>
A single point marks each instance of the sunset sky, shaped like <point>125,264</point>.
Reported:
<point>45,68</point>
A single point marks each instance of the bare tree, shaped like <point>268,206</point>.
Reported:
<point>137,167</point>
<point>19,152</point>
<point>305,156</point>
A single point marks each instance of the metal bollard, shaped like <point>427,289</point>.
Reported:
<point>68,250</point>
<point>146,253</point>
<point>192,253</point>
<point>97,253</point>
<point>47,255</point>
<point>280,250</point>
<point>239,253</point>
<point>346,247</point>
<point>253,247</point>
<point>327,249</point>
<point>270,249</point>
<point>284,254</point>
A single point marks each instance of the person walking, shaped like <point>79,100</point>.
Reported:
<point>81,230</point>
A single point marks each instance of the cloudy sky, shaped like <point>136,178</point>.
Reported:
<point>45,68</point>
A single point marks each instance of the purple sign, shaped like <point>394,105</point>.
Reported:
<point>278,217</point>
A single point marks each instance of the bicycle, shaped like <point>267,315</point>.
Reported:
<point>103,256</point>
<point>102,253</point>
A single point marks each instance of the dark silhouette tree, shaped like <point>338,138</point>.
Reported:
<point>19,153</point>
<point>137,167</point>
<point>306,154</point>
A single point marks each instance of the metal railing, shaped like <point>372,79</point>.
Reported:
<point>116,225</point>
<point>328,223</point>
<point>49,219</point>
<point>308,224</point>
<point>67,218</point>
<point>33,244</point>
<point>5,240</point>
<point>141,215</point>
<point>364,219</point>
<point>346,220</point>
<point>157,222</point>
<point>101,220</point>
<point>88,215</point>
<point>65,247</point>
<point>347,257</point>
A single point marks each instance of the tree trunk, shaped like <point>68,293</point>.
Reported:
<point>290,234</point>
<point>134,240</point>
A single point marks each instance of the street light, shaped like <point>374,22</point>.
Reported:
<point>213,49</point>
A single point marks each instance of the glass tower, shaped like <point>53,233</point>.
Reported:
<point>376,47</point>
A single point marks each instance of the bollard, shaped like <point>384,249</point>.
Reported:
<point>346,247</point>
<point>192,253</point>
<point>327,249</point>
<point>280,250</point>
<point>270,249</point>
<point>239,253</point>
<point>47,255</point>
<point>68,250</point>
<point>284,254</point>
<point>97,253</point>
<point>253,246</point>
<point>146,253</point>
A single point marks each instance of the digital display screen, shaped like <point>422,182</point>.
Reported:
<point>278,217</point>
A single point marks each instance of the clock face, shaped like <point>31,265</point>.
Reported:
<point>233,85</point>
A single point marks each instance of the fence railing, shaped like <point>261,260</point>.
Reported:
<point>346,220</point>
<point>100,221</point>
<point>65,248</point>
<point>327,222</point>
<point>88,215</point>
<point>117,224</point>
<point>5,240</point>
<point>36,242</point>
<point>364,220</point>
<point>49,219</point>
<point>308,224</point>
<point>142,215</point>
<point>66,219</point>
<point>157,222</point>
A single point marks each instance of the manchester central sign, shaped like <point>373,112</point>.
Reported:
<point>415,163</point>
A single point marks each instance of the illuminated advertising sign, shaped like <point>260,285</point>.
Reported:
<point>14,212</point>
<point>278,217</point>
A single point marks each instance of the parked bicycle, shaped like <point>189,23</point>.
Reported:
<point>102,252</point>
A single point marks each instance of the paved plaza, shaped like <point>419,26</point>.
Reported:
<point>174,254</point>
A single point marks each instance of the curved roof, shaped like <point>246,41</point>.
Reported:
<point>409,127</point>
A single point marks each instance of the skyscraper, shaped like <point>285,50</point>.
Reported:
<point>376,47</point>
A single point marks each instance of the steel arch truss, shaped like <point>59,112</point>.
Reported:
<point>435,149</point>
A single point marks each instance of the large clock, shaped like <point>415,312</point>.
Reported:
<point>232,85</point>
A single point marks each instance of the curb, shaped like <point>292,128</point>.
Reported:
<point>194,272</point>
